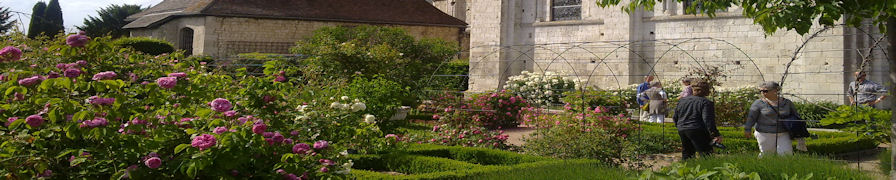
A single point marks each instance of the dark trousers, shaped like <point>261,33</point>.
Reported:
<point>693,141</point>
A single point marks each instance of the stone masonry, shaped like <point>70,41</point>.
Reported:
<point>609,48</point>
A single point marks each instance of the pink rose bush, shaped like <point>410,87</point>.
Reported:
<point>187,121</point>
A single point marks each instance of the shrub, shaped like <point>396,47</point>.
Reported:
<point>462,135</point>
<point>573,135</point>
<point>867,121</point>
<point>683,171</point>
<point>616,101</point>
<point>383,99</point>
<point>814,110</point>
<point>450,76</point>
<point>342,52</point>
<point>732,105</point>
<point>146,45</point>
<point>541,89</point>
<point>495,110</point>
<point>129,114</point>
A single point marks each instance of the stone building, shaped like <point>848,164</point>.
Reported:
<point>229,27</point>
<point>609,48</point>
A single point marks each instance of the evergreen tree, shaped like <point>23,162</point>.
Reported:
<point>54,18</point>
<point>109,21</point>
<point>5,21</point>
<point>37,20</point>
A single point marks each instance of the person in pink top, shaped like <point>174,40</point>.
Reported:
<point>686,89</point>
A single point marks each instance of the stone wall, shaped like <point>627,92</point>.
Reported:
<point>609,48</point>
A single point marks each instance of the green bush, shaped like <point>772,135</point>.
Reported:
<point>732,106</point>
<point>575,142</point>
<point>614,100</point>
<point>864,120</point>
<point>340,53</point>
<point>450,76</point>
<point>814,110</point>
<point>383,98</point>
<point>146,45</point>
<point>777,167</point>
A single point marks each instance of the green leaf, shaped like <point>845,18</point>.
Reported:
<point>192,169</point>
<point>180,148</point>
<point>77,160</point>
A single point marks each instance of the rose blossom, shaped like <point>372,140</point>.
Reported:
<point>204,141</point>
<point>34,120</point>
<point>96,100</point>
<point>321,144</point>
<point>259,128</point>
<point>104,76</point>
<point>301,148</point>
<point>177,74</point>
<point>221,105</point>
<point>77,40</point>
<point>167,82</point>
<point>10,53</point>
<point>219,130</point>
<point>72,72</point>
<point>30,81</point>
<point>153,162</point>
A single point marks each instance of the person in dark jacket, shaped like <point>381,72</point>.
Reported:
<point>695,119</point>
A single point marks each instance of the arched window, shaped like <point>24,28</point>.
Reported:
<point>186,40</point>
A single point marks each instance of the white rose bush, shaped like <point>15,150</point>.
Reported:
<point>540,89</point>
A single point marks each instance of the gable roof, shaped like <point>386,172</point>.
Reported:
<point>405,12</point>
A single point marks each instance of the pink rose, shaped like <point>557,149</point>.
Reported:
<point>10,53</point>
<point>167,82</point>
<point>204,141</point>
<point>221,105</point>
<point>77,40</point>
<point>153,162</point>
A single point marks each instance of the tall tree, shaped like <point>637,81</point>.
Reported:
<point>54,18</point>
<point>5,22</point>
<point>109,21</point>
<point>37,19</point>
<point>800,15</point>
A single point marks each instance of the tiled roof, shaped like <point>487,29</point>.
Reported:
<point>407,12</point>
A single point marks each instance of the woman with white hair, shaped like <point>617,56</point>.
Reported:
<point>765,116</point>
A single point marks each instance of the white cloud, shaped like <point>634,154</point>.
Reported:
<point>73,11</point>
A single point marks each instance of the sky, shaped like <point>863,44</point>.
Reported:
<point>73,11</point>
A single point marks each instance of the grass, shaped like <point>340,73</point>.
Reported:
<point>885,161</point>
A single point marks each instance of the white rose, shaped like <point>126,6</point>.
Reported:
<point>301,108</point>
<point>358,107</point>
<point>345,98</point>
<point>335,105</point>
<point>345,106</point>
<point>370,119</point>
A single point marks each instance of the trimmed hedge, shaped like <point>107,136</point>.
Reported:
<point>146,45</point>
<point>828,143</point>
<point>776,167</point>
<point>481,156</point>
<point>450,162</point>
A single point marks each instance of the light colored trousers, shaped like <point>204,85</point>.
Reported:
<point>644,116</point>
<point>657,118</point>
<point>771,143</point>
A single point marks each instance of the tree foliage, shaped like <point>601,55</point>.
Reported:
<point>797,15</point>
<point>110,20</point>
<point>53,18</point>
<point>5,22</point>
<point>37,19</point>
